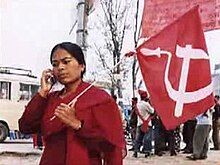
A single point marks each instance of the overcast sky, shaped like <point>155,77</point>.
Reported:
<point>30,28</point>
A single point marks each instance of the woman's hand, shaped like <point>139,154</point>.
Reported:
<point>45,83</point>
<point>67,115</point>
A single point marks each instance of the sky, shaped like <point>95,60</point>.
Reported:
<point>213,42</point>
<point>30,29</point>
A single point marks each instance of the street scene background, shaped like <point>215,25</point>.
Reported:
<point>30,28</point>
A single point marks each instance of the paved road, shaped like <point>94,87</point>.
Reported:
<point>22,153</point>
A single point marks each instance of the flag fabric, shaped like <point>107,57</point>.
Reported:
<point>159,13</point>
<point>176,70</point>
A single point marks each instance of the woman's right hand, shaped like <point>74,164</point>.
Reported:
<point>46,85</point>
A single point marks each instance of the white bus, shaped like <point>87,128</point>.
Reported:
<point>17,86</point>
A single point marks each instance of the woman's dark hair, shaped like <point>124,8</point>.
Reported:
<point>74,50</point>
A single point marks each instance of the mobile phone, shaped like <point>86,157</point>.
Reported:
<point>52,80</point>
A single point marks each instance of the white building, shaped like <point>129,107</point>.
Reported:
<point>216,81</point>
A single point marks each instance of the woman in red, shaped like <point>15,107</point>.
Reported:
<point>87,132</point>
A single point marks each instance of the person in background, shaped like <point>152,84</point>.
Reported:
<point>38,141</point>
<point>82,131</point>
<point>159,136</point>
<point>121,112</point>
<point>144,113</point>
<point>216,124</point>
<point>133,121</point>
<point>201,135</point>
<point>188,132</point>
<point>173,139</point>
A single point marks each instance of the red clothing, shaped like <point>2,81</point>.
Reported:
<point>101,133</point>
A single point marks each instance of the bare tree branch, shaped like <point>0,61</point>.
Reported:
<point>115,14</point>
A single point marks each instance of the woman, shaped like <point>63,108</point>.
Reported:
<point>87,132</point>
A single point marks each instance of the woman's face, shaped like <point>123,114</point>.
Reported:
<point>66,68</point>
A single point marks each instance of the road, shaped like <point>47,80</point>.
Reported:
<point>23,153</point>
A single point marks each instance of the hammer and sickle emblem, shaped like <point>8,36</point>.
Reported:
<point>180,96</point>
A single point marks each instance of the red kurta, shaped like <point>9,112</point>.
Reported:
<point>100,136</point>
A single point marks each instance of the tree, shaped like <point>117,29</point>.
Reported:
<point>113,27</point>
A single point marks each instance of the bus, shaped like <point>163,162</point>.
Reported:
<point>17,86</point>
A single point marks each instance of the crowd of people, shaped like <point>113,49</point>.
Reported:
<point>195,133</point>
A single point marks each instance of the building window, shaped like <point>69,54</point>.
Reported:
<point>5,90</point>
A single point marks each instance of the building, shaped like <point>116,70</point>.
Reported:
<point>216,79</point>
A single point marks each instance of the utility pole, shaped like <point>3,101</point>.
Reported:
<point>82,19</point>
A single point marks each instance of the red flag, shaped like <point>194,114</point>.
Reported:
<point>176,70</point>
<point>159,13</point>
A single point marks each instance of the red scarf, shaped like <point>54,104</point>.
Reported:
<point>144,126</point>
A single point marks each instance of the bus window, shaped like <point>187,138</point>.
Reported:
<point>24,91</point>
<point>5,88</point>
<point>27,91</point>
<point>34,90</point>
